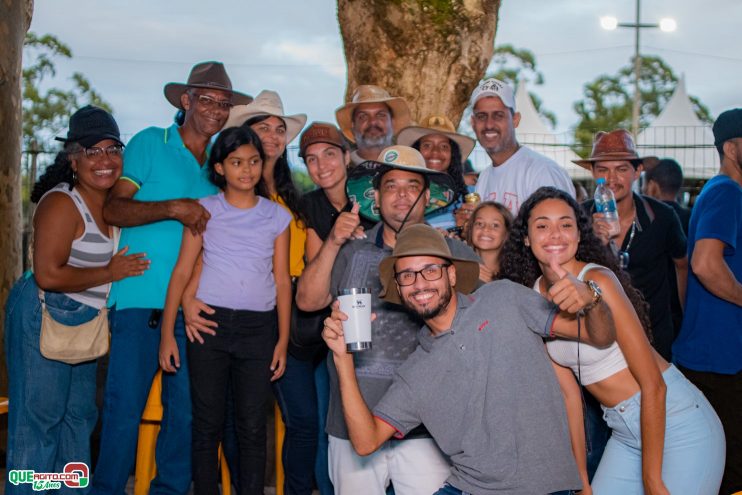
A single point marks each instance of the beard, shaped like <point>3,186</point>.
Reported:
<point>366,140</point>
<point>429,312</point>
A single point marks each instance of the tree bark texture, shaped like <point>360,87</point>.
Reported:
<point>433,53</point>
<point>15,18</point>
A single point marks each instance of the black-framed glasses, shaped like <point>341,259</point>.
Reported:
<point>209,103</point>
<point>95,152</point>
<point>429,273</point>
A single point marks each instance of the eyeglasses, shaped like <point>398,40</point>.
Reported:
<point>113,151</point>
<point>429,273</point>
<point>210,103</point>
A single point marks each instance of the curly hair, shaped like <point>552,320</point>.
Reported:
<point>282,176</point>
<point>455,169</point>
<point>520,265</point>
<point>58,172</point>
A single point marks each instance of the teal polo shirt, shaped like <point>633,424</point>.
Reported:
<point>159,164</point>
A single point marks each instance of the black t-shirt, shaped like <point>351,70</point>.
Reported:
<point>321,215</point>
<point>658,239</point>
<point>683,214</point>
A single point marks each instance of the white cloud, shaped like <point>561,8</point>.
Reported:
<point>323,52</point>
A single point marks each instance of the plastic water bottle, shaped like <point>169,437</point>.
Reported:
<point>605,203</point>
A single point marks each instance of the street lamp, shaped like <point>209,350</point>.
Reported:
<point>610,23</point>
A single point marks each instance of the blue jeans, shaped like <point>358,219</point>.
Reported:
<point>452,490</point>
<point>132,366</point>
<point>295,393</point>
<point>52,404</point>
<point>321,468</point>
<point>693,457</point>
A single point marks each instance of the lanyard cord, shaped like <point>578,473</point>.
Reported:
<point>404,221</point>
<point>631,235</point>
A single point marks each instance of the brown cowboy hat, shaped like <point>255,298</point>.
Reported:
<point>369,93</point>
<point>208,75</point>
<point>424,240</point>
<point>616,145</point>
<point>436,124</point>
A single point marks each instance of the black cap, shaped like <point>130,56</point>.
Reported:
<point>90,125</point>
<point>728,126</point>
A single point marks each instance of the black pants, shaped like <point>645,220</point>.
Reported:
<point>239,355</point>
<point>724,392</point>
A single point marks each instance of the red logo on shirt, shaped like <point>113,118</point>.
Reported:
<point>484,324</point>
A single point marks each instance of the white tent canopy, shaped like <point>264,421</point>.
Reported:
<point>533,133</point>
<point>679,134</point>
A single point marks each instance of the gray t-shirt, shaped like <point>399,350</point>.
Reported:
<point>487,393</point>
<point>394,330</point>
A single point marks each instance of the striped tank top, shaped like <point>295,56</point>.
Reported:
<point>91,249</point>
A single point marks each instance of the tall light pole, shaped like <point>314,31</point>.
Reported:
<point>611,23</point>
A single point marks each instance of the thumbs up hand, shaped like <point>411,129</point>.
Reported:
<point>346,225</point>
<point>569,293</point>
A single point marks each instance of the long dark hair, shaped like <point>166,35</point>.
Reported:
<point>455,168</point>
<point>229,140</point>
<point>282,176</point>
<point>58,172</point>
<point>520,265</point>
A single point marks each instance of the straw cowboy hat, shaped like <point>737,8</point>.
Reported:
<point>616,145</point>
<point>267,103</point>
<point>360,183</point>
<point>436,124</point>
<point>424,240</point>
<point>369,93</point>
<point>207,75</point>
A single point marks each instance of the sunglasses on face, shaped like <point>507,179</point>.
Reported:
<point>113,151</point>
<point>209,103</point>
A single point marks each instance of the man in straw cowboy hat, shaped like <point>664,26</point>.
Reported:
<point>479,380</point>
<point>164,175</point>
<point>516,171</point>
<point>650,236</point>
<point>401,190</point>
<point>709,348</point>
<point>370,120</point>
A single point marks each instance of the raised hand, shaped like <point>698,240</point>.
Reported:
<point>346,225</point>
<point>569,293</point>
<point>122,265</point>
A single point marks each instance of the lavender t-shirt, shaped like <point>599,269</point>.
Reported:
<point>238,254</point>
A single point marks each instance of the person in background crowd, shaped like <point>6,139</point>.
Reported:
<point>52,409</point>
<point>164,173</point>
<point>444,150</point>
<point>663,181</point>
<point>516,170</point>
<point>580,192</point>
<point>401,190</point>
<point>709,347</point>
<point>479,380</point>
<point>245,281</point>
<point>487,232</point>
<point>370,120</point>
<point>471,176</point>
<point>665,437</point>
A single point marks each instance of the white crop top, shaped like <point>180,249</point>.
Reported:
<point>595,364</point>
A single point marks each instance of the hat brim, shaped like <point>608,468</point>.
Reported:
<point>241,114</point>
<point>398,106</point>
<point>587,163</point>
<point>360,187</point>
<point>467,274</point>
<point>173,91</point>
<point>88,141</point>
<point>409,135</point>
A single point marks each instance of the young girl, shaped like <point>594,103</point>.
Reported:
<point>487,232</point>
<point>245,280</point>
<point>665,437</point>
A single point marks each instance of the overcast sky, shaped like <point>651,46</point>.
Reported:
<point>130,49</point>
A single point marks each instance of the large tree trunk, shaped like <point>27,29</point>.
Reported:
<point>15,18</point>
<point>431,52</point>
